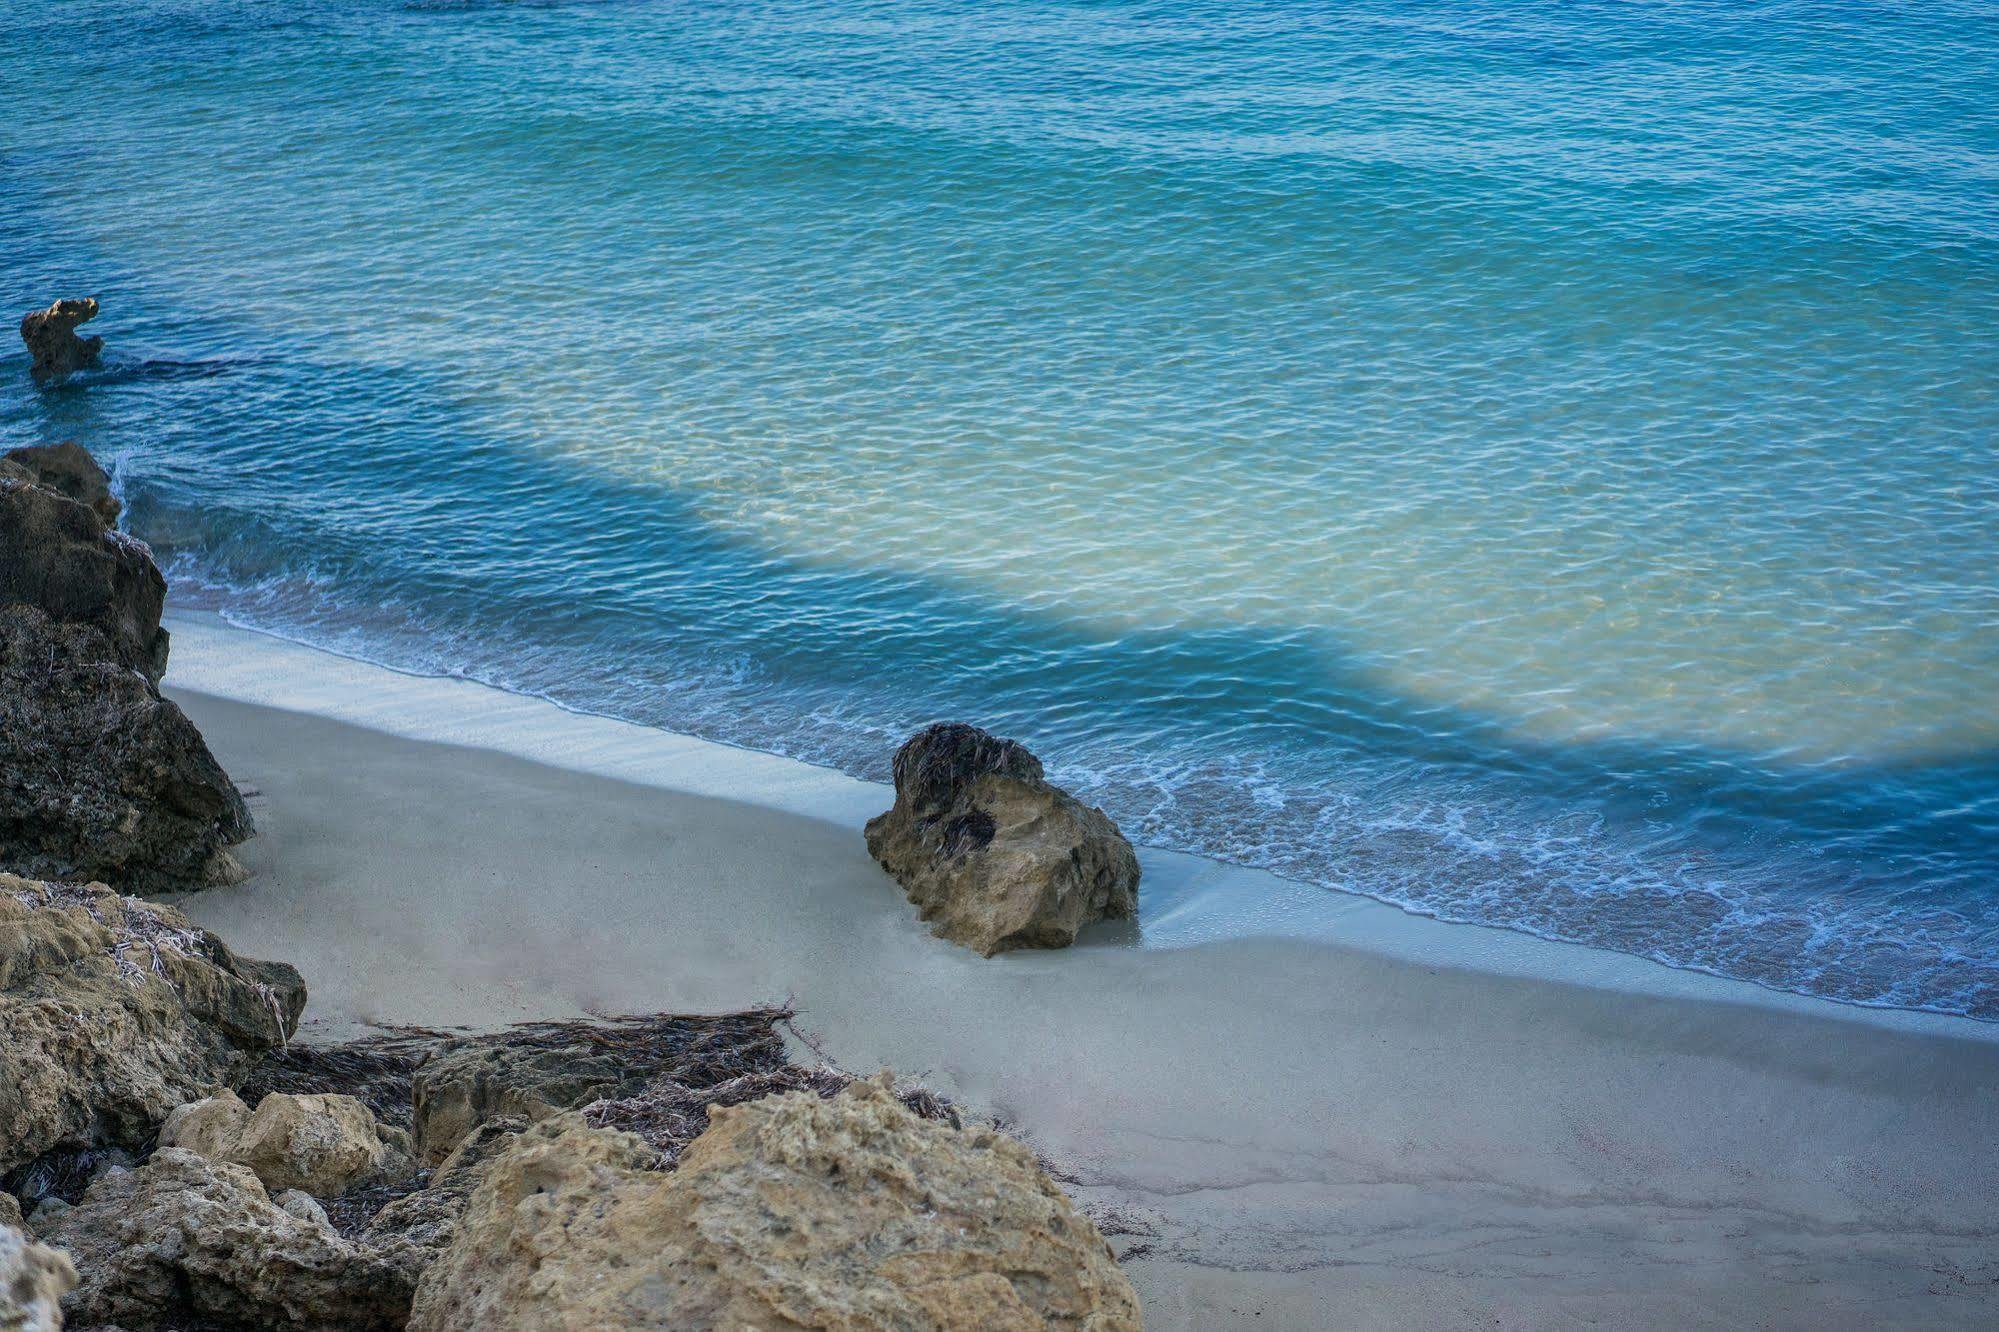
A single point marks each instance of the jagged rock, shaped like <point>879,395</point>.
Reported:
<point>323,1144</point>
<point>57,555</point>
<point>52,338</point>
<point>33,1280</point>
<point>185,1240</point>
<point>299,1203</point>
<point>106,779</point>
<point>10,1210</point>
<point>113,1011</point>
<point>68,469</point>
<point>535,1071</point>
<point>991,853</point>
<point>411,1231</point>
<point>789,1212</point>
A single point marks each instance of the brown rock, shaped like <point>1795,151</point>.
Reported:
<point>991,853</point>
<point>113,1011</point>
<point>106,779</point>
<point>789,1212</point>
<point>322,1144</point>
<point>69,470</point>
<point>182,1240</point>
<point>52,339</point>
<point>33,1280</point>
<point>57,556</point>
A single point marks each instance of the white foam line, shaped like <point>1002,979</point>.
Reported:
<point>1187,900</point>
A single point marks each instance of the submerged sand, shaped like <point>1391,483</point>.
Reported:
<point>1277,1132</point>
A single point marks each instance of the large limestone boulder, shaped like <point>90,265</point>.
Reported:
<point>33,1280</point>
<point>52,338</point>
<point>69,470</point>
<point>114,1011</point>
<point>789,1212</point>
<point>57,555</point>
<point>324,1144</point>
<point>182,1241</point>
<point>991,853</point>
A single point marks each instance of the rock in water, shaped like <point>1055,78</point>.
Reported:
<point>33,1280</point>
<point>52,339</point>
<point>113,1011</point>
<point>324,1144</point>
<point>182,1241</point>
<point>100,776</point>
<point>992,853</point>
<point>789,1212</point>
<point>69,470</point>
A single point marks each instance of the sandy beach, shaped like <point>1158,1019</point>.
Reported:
<point>1378,1121</point>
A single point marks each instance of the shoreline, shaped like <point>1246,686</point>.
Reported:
<point>1186,899</point>
<point>1357,1130</point>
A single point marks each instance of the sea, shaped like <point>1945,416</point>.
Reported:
<point>1534,464</point>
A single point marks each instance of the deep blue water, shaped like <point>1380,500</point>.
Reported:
<point>1530,463</point>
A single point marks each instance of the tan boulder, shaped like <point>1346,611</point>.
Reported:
<point>33,1280</point>
<point>182,1241</point>
<point>789,1212</point>
<point>52,338</point>
<point>323,1144</point>
<point>113,1011</point>
<point>991,853</point>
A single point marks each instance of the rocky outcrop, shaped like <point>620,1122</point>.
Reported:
<point>104,778</point>
<point>52,338</point>
<point>114,1011</point>
<point>789,1212</point>
<point>322,1144</point>
<point>412,1231</point>
<point>69,470</point>
<point>57,555</point>
<point>183,1241</point>
<point>33,1280</point>
<point>991,853</point>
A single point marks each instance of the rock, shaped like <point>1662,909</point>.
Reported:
<point>323,1144</point>
<point>535,1071</point>
<point>106,779</point>
<point>411,1231</point>
<point>789,1212</point>
<point>10,1210</point>
<point>182,1240</point>
<point>992,853</point>
<point>113,1011</point>
<point>52,339</point>
<point>69,470</point>
<point>299,1203</point>
<point>57,555</point>
<point>33,1280</point>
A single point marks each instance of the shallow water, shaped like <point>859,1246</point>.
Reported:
<point>1531,464</point>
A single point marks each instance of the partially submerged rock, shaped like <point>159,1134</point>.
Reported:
<point>323,1144</point>
<point>792,1211</point>
<point>33,1280</point>
<point>52,338</point>
<point>991,853</point>
<point>69,470</point>
<point>114,1011</point>
<point>182,1240</point>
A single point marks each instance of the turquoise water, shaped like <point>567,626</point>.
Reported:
<point>1534,464</point>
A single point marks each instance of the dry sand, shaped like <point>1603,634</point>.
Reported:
<point>1283,1131</point>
